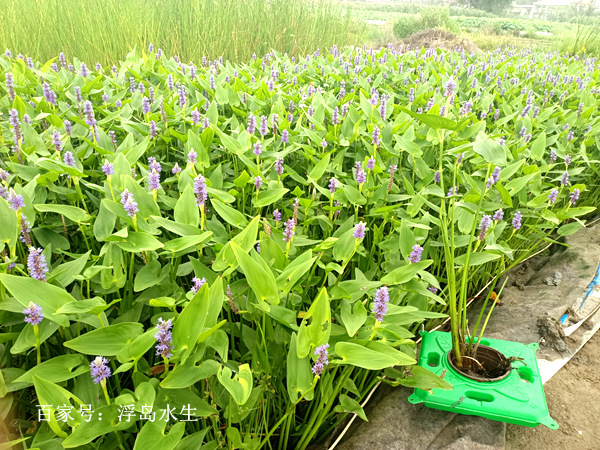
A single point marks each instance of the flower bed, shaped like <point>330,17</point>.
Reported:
<point>238,251</point>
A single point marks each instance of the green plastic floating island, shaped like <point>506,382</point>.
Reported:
<point>519,398</point>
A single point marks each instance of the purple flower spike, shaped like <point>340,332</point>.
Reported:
<point>15,200</point>
<point>285,137</point>
<point>257,149</point>
<point>453,191</point>
<point>200,190</point>
<point>153,180</point>
<point>323,143</point>
<point>198,283</point>
<point>565,179</point>
<point>415,255</point>
<point>568,160</point>
<point>359,230</point>
<point>33,314</point>
<point>196,116</point>
<point>552,156</point>
<point>164,338</point>
<point>489,183</point>
<point>153,164</point>
<point>277,215</point>
<point>263,125</point>
<point>258,182</point>
<point>322,360</point>
<point>553,195</point>
<point>192,156</point>
<point>68,159</point>
<point>251,124</point>
<point>380,308</point>
<point>359,174</point>
<point>432,289</point>
<point>129,204</point>
<point>496,174</point>
<point>498,215</point>
<point>99,369</point>
<point>516,222</point>
<point>36,263</point>
<point>575,196</point>
<point>484,225</point>
<point>108,168</point>
<point>437,176</point>
<point>176,169</point>
<point>333,185</point>
<point>289,232</point>
<point>376,142</point>
<point>145,105</point>
<point>88,109</point>
<point>279,166</point>
<point>449,88</point>
<point>371,163</point>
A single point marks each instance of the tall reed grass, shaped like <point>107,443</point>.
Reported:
<point>104,31</point>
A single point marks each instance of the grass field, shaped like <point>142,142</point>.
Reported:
<point>105,31</point>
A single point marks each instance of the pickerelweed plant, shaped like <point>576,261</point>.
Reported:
<point>231,254</point>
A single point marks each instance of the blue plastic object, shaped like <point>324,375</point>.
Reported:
<point>518,398</point>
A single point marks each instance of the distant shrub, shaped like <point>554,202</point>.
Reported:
<point>427,18</point>
<point>407,26</point>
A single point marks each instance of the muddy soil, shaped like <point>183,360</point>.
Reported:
<point>573,397</point>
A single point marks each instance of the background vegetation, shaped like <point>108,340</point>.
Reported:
<point>107,30</point>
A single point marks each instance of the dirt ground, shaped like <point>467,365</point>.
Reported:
<point>573,397</point>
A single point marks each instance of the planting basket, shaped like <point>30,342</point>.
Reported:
<point>518,398</point>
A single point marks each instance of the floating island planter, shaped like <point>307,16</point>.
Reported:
<point>513,394</point>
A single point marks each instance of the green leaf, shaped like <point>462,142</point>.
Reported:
<point>152,437</point>
<point>348,404</point>
<point>136,348</point>
<point>418,377</point>
<point>139,241</point>
<point>9,231</point>
<point>376,356</point>
<point>259,276</point>
<point>295,270</point>
<point>246,239</point>
<point>106,341</point>
<point>434,121</point>
<point>190,322</point>
<point>58,369</point>
<point>48,296</point>
<point>299,376</point>
<point>230,215</point>
<point>353,316</point>
<point>318,331</point>
<point>104,223</point>
<point>86,432</point>
<point>182,243</point>
<point>344,247</point>
<point>265,198</point>
<point>491,151</point>
<point>240,386</point>
<point>538,148</point>
<point>477,258</point>
<point>65,273</point>
<point>186,211</point>
<point>550,216</point>
<point>70,212</point>
<point>190,372</point>
<point>319,169</point>
<point>177,228</point>
<point>405,273</point>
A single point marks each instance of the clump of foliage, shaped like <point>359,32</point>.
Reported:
<point>240,249</point>
<point>427,18</point>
